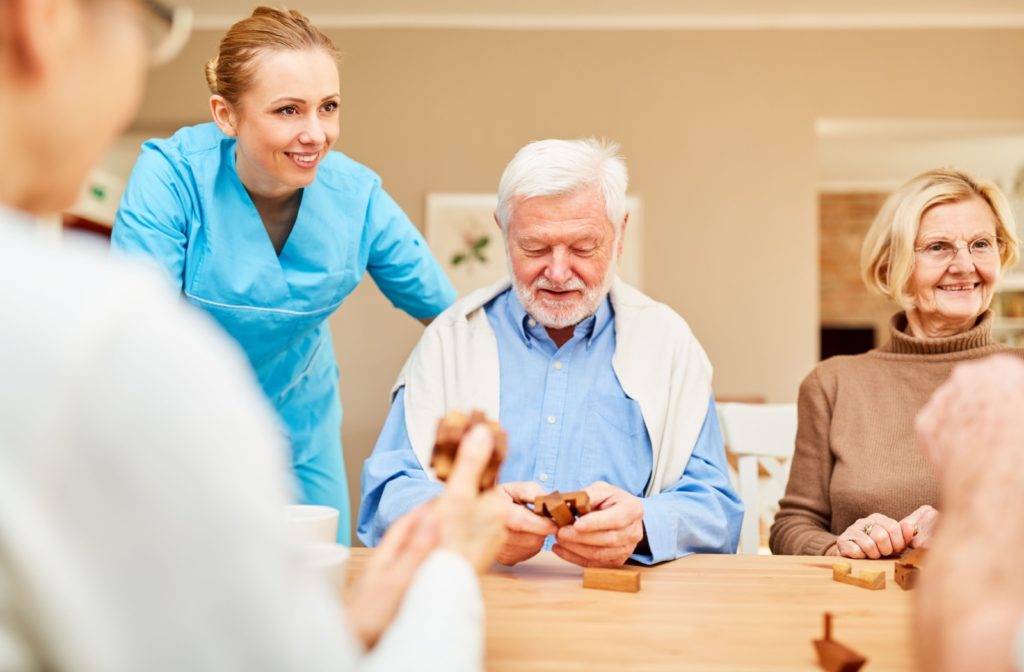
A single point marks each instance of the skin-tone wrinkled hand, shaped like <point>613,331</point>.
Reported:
<point>877,535</point>
<point>921,524</point>
<point>971,598</point>
<point>606,536</point>
<point>461,520</point>
<point>526,530</point>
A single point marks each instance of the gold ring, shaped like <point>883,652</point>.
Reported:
<point>868,528</point>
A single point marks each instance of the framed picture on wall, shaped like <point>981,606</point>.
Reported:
<point>461,232</point>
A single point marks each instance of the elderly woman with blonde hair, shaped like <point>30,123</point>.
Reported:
<point>859,486</point>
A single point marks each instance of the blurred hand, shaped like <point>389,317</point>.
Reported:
<point>975,412</point>
<point>606,536</point>
<point>461,520</point>
<point>972,433</point>
<point>919,526</point>
<point>526,530</point>
<point>472,523</point>
<point>874,537</point>
<point>374,599</point>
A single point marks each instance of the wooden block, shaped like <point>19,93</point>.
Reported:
<point>622,580</point>
<point>560,513</point>
<point>569,506</point>
<point>906,575</point>
<point>579,502</point>
<point>450,431</point>
<point>870,579</point>
<point>836,657</point>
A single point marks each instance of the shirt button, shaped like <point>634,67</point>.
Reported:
<point>543,477</point>
<point>532,322</point>
<point>558,366</point>
<point>551,419</point>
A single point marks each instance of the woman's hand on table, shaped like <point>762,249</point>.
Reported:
<point>874,537</point>
<point>920,525</point>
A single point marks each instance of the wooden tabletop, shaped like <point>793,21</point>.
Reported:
<point>703,612</point>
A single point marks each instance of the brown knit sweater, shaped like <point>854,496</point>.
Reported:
<point>856,452</point>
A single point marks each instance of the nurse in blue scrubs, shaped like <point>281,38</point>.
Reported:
<point>268,231</point>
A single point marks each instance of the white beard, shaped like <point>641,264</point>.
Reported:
<point>561,314</point>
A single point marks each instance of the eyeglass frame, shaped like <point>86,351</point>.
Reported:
<point>960,244</point>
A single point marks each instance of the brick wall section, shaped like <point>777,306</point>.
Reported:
<point>845,301</point>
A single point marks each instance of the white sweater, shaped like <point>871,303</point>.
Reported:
<point>142,485</point>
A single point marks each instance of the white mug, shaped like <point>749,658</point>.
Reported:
<point>307,523</point>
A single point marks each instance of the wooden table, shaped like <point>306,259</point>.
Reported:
<point>703,612</point>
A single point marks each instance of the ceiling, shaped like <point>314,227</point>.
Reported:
<point>634,14</point>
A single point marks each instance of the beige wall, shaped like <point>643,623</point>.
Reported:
<point>718,128</point>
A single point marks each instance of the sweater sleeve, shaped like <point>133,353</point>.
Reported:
<point>803,523</point>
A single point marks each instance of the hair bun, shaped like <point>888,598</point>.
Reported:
<point>211,73</point>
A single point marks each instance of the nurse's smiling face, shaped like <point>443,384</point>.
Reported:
<point>285,122</point>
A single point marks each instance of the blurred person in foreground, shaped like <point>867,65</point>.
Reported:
<point>142,478</point>
<point>970,604</point>
<point>859,487</point>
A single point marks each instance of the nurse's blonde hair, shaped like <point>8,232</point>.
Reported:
<point>887,257</point>
<point>231,71</point>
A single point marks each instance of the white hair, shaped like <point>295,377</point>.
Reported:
<point>559,167</point>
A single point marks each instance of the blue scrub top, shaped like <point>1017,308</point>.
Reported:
<point>185,208</point>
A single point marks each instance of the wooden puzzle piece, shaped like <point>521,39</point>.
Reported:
<point>836,657</point>
<point>905,575</point>
<point>870,579</point>
<point>450,431</point>
<point>561,514</point>
<point>622,580</point>
<point>563,508</point>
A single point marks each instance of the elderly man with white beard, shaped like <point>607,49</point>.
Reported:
<point>601,388</point>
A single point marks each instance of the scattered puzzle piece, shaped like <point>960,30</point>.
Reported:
<point>836,657</point>
<point>450,431</point>
<point>870,579</point>
<point>906,575</point>
<point>562,508</point>
<point>622,580</point>
<point>907,570</point>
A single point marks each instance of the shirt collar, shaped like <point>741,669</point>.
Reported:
<point>589,328</point>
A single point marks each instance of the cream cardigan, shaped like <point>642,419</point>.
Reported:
<point>657,359</point>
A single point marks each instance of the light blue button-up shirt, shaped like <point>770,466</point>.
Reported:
<point>569,424</point>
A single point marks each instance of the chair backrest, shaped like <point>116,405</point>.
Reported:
<point>763,437</point>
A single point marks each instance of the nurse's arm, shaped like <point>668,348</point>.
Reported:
<point>151,219</point>
<point>394,481</point>
<point>400,262</point>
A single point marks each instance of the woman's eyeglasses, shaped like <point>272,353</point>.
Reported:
<point>983,249</point>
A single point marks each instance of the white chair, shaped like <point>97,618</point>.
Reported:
<point>762,436</point>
